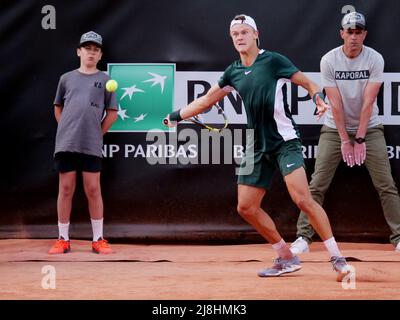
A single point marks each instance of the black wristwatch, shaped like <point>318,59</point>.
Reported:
<point>359,140</point>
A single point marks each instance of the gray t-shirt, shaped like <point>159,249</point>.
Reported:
<point>351,76</point>
<point>84,100</point>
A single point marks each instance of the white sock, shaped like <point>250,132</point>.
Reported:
<point>63,230</point>
<point>282,249</point>
<point>332,247</point>
<point>97,227</point>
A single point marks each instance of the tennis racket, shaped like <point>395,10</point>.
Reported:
<point>210,127</point>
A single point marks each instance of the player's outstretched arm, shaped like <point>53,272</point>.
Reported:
<point>314,91</point>
<point>196,107</point>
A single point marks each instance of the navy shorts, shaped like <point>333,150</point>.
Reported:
<point>73,161</point>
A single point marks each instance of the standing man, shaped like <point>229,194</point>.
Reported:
<point>79,107</point>
<point>259,77</point>
<point>352,75</point>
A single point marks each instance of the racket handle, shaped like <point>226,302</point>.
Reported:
<point>165,121</point>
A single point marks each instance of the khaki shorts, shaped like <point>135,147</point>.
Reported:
<point>288,157</point>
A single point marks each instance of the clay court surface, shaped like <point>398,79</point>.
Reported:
<point>175,272</point>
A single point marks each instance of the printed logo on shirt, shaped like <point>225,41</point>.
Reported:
<point>352,75</point>
<point>97,84</point>
<point>145,95</point>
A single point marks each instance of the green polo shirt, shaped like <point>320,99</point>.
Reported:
<point>263,91</point>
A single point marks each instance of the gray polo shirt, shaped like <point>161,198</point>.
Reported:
<point>351,76</point>
<point>84,100</point>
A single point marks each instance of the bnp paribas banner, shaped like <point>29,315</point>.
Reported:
<point>145,95</point>
<point>190,85</point>
<point>148,92</point>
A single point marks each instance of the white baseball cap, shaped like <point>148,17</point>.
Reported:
<point>243,19</point>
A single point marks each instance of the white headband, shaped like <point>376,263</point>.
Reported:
<point>247,20</point>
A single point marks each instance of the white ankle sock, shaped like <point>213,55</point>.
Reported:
<point>63,230</point>
<point>282,249</point>
<point>97,227</point>
<point>332,247</point>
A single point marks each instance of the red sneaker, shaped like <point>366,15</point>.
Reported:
<point>61,246</point>
<point>101,246</point>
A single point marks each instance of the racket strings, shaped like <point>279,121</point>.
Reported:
<point>200,121</point>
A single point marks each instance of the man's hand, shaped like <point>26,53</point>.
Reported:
<point>322,107</point>
<point>360,153</point>
<point>348,153</point>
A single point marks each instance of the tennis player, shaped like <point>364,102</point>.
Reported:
<point>260,77</point>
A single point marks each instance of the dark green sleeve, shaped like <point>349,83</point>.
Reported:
<point>224,80</point>
<point>284,68</point>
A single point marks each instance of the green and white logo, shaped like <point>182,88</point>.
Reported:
<point>145,95</point>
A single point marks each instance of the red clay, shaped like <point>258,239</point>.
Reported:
<point>144,272</point>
